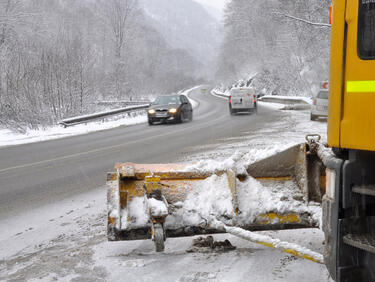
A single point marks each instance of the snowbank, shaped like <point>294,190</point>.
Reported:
<point>193,102</point>
<point>8,137</point>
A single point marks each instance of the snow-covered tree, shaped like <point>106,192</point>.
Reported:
<point>279,40</point>
<point>57,57</point>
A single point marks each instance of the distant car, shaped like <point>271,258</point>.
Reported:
<point>171,108</point>
<point>320,105</point>
<point>242,99</point>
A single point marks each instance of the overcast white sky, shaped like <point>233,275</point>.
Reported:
<point>218,4</point>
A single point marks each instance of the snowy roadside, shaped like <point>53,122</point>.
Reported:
<point>193,102</point>
<point>288,130</point>
<point>67,241</point>
<point>11,138</point>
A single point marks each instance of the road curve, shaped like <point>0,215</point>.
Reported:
<point>35,174</point>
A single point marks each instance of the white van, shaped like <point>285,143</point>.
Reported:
<point>321,101</point>
<point>320,105</point>
<point>242,99</point>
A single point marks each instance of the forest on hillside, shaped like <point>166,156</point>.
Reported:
<point>285,43</point>
<point>57,57</point>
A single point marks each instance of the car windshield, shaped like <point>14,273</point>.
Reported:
<point>323,95</point>
<point>166,100</point>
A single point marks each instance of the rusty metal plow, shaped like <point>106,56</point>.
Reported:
<point>272,195</point>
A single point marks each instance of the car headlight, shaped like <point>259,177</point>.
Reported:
<point>151,112</point>
<point>173,110</point>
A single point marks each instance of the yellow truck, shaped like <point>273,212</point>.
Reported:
<point>349,204</point>
<point>156,201</point>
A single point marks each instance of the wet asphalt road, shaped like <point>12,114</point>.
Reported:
<point>41,173</point>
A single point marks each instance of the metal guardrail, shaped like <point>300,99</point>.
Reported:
<point>121,103</point>
<point>82,119</point>
<point>219,94</point>
<point>283,100</point>
<point>292,103</point>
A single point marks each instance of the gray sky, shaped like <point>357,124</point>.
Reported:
<point>218,4</point>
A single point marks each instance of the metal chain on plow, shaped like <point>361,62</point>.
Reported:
<point>267,241</point>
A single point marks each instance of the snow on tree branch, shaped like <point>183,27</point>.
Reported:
<point>302,20</point>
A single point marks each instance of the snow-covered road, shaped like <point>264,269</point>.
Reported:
<point>67,241</point>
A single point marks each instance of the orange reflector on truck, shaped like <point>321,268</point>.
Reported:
<point>330,14</point>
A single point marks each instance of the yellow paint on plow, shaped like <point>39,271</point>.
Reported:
<point>290,251</point>
<point>276,218</point>
<point>280,178</point>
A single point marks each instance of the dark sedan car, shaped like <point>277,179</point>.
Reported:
<point>171,108</point>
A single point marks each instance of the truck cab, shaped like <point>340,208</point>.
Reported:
<point>349,204</point>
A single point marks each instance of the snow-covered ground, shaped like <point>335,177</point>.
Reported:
<point>10,138</point>
<point>67,241</point>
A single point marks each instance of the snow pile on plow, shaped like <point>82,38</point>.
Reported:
<point>268,194</point>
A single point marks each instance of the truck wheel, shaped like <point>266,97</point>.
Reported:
<point>159,237</point>
<point>150,122</point>
<point>312,117</point>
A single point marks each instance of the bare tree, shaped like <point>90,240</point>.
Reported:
<point>57,57</point>
<point>119,16</point>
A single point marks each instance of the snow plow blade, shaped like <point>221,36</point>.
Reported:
<point>127,188</point>
<point>193,196</point>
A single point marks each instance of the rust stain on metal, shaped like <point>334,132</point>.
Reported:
<point>111,220</point>
<point>111,176</point>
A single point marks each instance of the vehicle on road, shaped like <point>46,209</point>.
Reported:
<point>242,99</point>
<point>170,108</point>
<point>319,108</point>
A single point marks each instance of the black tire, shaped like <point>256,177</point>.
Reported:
<point>312,117</point>
<point>179,118</point>
<point>150,122</point>
<point>191,116</point>
<point>231,111</point>
<point>159,237</point>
